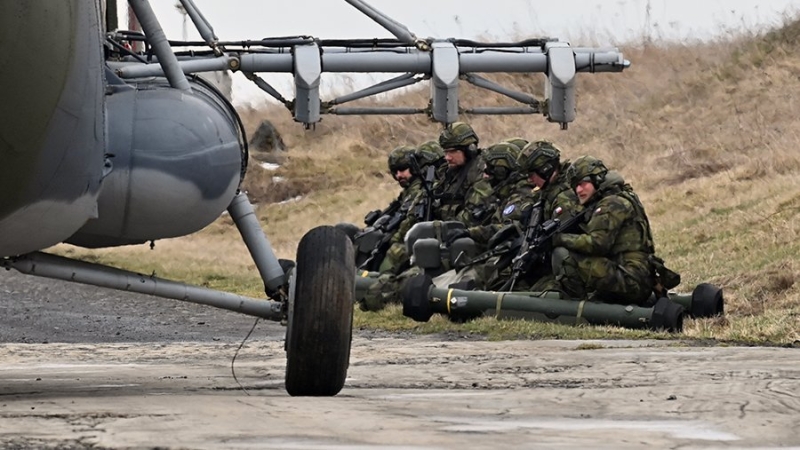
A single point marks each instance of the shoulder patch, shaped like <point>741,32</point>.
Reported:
<point>509,209</point>
<point>598,210</point>
<point>558,211</point>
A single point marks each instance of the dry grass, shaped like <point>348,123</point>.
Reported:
<point>708,134</point>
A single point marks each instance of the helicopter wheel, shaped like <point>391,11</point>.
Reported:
<point>320,322</point>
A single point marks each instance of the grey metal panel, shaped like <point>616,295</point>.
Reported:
<point>561,85</point>
<point>51,150</point>
<point>416,62</point>
<point>138,70</point>
<point>444,85</point>
<point>307,72</point>
<point>278,62</point>
<point>177,162</point>
<point>60,268</point>
<point>503,62</point>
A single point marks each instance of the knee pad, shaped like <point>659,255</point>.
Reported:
<point>566,273</point>
<point>560,254</point>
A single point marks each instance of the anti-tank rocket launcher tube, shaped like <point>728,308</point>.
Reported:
<point>421,299</point>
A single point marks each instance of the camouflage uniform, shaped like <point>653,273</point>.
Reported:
<point>511,214</point>
<point>428,154</point>
<point>612,257</point>
<point>544,159</point>
<point>502,172</point>
<point>383,224</point>
<point>501,165</point>
<point>460,193</point>
<point>399,160</point>
<point>463,195</point>
<point>558,202</point>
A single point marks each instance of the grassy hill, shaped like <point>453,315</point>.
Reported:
<point>707,133</point>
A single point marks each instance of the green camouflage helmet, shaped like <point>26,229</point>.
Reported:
<point>400,158</point>
<point>541,158</point>
<point>458,135</point>
<point>501,160</point>
<point>429,153</point>
<point>587,168</point>
<point>518,141</point>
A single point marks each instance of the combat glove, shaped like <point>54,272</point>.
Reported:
<point>507,233</point>
<point>454,235</point>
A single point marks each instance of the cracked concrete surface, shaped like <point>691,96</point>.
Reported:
<point>157,379</point>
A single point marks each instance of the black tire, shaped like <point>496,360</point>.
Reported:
<point>667,315</point>
<point>320,327</point>
<point>707,301</point>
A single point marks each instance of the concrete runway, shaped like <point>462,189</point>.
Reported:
<point>125,371</point>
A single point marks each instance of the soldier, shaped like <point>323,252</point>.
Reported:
<point>428,154</point>
<point>612,258</point>
<point>400,167</point>
<point>373,241</point>
<point>501,170</point>
<point>540,162</point>
<point>395,266</point>
<point>462,194</point>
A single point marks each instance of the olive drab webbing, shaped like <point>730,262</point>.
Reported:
<point>667,278</point>
<point>559,198</point>
<point>464,195</point>
<point>449,191</point>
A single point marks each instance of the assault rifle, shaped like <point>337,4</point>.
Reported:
<point>423,211</point>
<point>536,239</point>
<point>386,225</point>
<point>390,219</point>
<point>378,217</point>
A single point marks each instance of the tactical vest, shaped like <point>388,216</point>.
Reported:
<point>450,192</point>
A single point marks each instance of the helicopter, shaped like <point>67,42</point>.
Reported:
<point>108,137</point>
